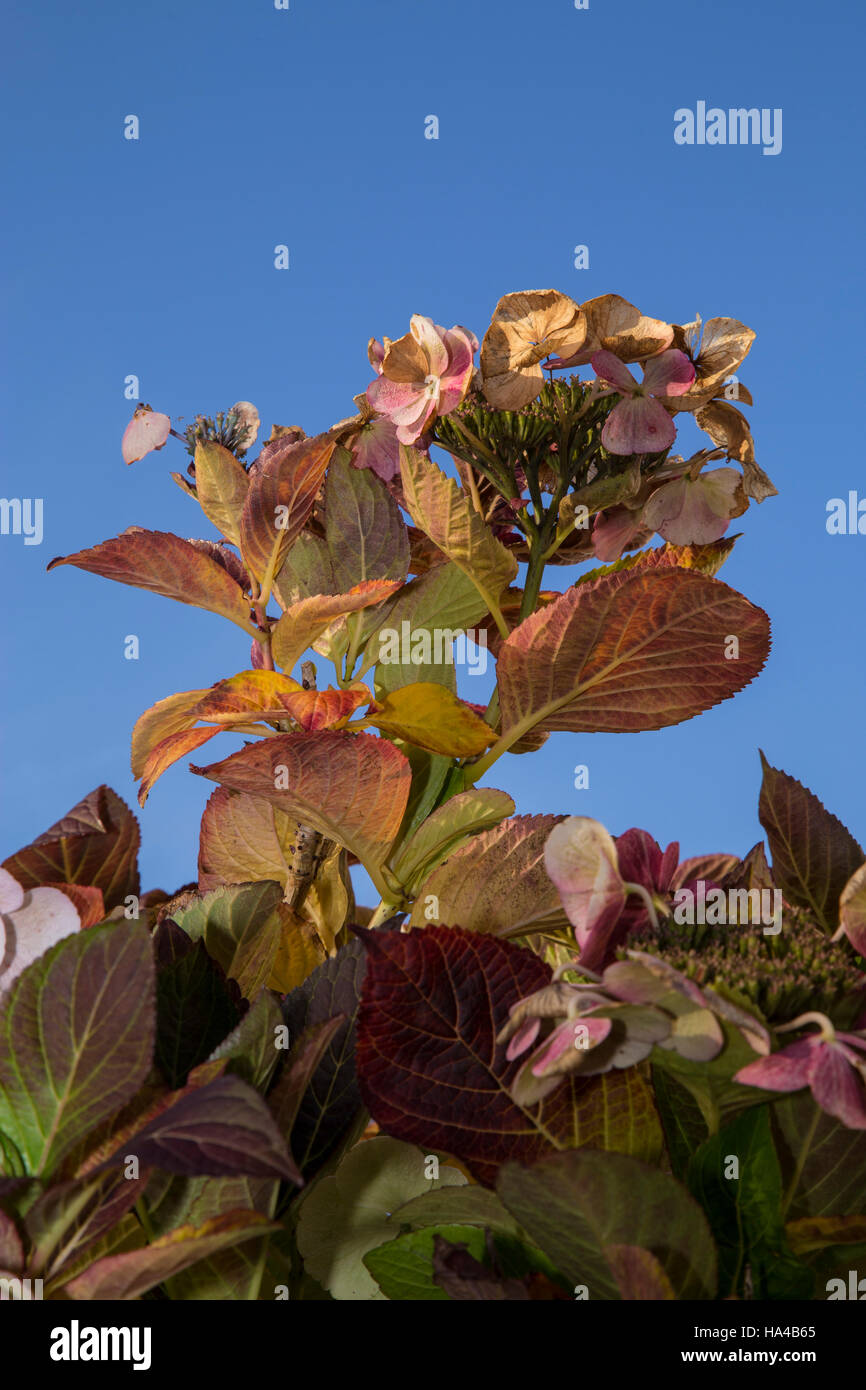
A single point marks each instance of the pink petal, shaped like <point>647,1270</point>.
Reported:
<point>146,430</point>
<point>376,354</point>
<point>638,425</point>
<point>669,374</point>
<point>780,1072</point>
<point>612,530</point>
<point>565,1037</point>
<point>694,513</point>
<point>377,448</point>
<point>523,1038</point>
<point>580,859</point>
<point>836,1087</point>
<point>608,367</point>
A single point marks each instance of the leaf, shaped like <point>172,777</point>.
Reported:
<point>221,485</point>
<point>349,1213</point>
<point>682,1119</point>
<point>279,502</point>
<point>305,621</point>
<point>165,564</point>
<point>745,1210</point>
<point>306,572</point>
<point>241,927</point>
<point>249,695</point>
<point>129,1275</point>
<point>632,651</point>
<point>325,709</point>
<point>94,844</point>
<point>11,1249</point>
<point>72,1215</point>
<point>449,828</point>
<point>403,1268</point>
<point>431,717</point>
<point>706,559</point>
<point>497,883</point>
<point>332,1100</point>
<point>458,1206</point>
<point>195,1006</point>
<point>76,1038</point>
<point>639,1275</point>
<point>351,788</point>
<point>243,839</point>
<point>167,753</point>
<point>285,1097</point>
<point>299,950</point>
<point>236,1271</point>
<point>573,1205</point>
<point>443,600</point>
<point>222,1129</point>
<point>447,515</point>
<point>250,1051</point>
<point>823,1163</point>
<point>168,716</point>
<point>364,532</point>
<point>813,854</point>
<point>817,1232</point>
<point>432,1073</point>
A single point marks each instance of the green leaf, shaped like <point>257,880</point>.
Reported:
<point>744,1211</point>
<point>814,856</point>
<point>76,1040</point>
<point>403,1268</point>
<point>449,827</point>
<point>574,1204</point>
<point>823,1163</point>
<point>349,1213</point>
<point>364,532</point>
<point>682,1119</point>
<point>251,1049</point>
<point>241,928</point>
<point>447,516</point>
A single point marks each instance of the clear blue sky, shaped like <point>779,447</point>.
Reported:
<point>306,127</point>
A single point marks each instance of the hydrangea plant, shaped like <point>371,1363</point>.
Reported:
<point>551,1062</point>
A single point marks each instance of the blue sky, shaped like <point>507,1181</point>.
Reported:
<point>306,127</point>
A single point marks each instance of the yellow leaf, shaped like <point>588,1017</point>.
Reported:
<point>222,485</point>
<point>429,716</point>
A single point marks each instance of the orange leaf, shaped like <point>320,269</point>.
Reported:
<point>353,788</point>
<point>322,709</point>
<point>248,695</point>
<point>167,753</point>
<point>305,621</point>
<point>166,717</point>
<point>634,650</point>
<point>165,564</point>
<point>280,500</point>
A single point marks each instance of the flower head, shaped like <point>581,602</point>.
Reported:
<point>639,424</point>
<point>425,373</point>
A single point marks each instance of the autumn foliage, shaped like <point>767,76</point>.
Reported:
<point>520,1073</point>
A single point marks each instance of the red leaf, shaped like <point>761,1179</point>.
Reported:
<point>95,845</point>
<point>431,1072</point>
